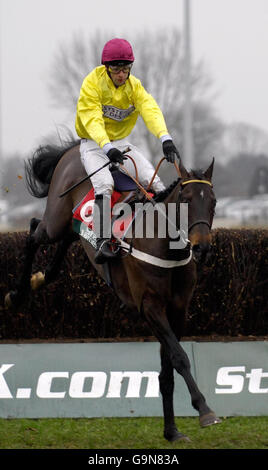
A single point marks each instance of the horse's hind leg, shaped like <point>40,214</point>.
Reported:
<point>36,236</point>
<point>40,279</point>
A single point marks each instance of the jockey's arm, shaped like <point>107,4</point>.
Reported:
<point>151,113</point>
<point>89,118</point>
<point>155,121</point>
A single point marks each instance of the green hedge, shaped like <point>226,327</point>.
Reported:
<point>230,298</point>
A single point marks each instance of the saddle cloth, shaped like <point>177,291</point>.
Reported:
<point>83,212</point>
<point>83,218</point>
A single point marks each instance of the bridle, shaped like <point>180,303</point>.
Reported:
<point>182,183</point>
<point>163,263</point>
<point>199,221</point>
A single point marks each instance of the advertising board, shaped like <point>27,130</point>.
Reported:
<point>121,379</point>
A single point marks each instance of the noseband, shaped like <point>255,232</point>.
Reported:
<point>201,221</point>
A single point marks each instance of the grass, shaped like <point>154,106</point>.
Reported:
<point>131,433</point>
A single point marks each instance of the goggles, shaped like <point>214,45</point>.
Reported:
<point>118,68</point>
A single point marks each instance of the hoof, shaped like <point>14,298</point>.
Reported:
<point>11,300</point>
<point>8,301</point>
<point>208,419</point>
<point>37,280</point>
<point>175,435</point>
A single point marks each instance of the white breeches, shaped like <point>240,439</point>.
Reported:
<point>93,157</point>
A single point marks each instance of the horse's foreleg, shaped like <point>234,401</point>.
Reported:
<point>155,312</point>
<point>177,315</point>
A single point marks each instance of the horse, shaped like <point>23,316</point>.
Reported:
<point>161,292</point>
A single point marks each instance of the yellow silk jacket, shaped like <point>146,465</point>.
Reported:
<point>106,113</point>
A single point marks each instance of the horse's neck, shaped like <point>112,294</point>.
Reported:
<point>173,197</point>
<point>163,216</point>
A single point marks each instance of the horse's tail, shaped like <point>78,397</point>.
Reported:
<point>40,168</point>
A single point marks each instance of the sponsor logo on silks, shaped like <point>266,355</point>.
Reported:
<point>233,380</point>
<point>117,114</point>
<point>82,229</point>
<point>88,234</point>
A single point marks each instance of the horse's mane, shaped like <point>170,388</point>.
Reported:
<point>198,174</point>
<point>165,193</point>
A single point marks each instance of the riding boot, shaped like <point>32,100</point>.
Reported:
<point>103,253</point>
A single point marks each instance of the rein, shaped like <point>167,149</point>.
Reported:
<point>184,183</point>
<point>157,168</point>
<point>141,188</point>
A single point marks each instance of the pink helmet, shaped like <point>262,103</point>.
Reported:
<point>117,50</point>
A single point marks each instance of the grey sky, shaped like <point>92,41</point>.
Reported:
<point>230,35</point>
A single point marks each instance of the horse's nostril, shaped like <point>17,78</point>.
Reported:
<point>197,253</point>
<point>202,247</point>
<point>201,252</point>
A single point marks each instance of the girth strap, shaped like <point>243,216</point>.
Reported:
<point>162,263</point>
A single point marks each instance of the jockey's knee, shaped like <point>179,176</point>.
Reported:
<point>103,184</point>
<point>103,190</point>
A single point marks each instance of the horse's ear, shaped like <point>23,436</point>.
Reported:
<point>209,171</point>
<point>184,172</point>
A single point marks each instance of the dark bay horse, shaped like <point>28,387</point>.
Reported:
<point>162,293</point>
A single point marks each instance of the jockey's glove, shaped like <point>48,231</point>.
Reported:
<point>116,156</point>
<point>169,150</point>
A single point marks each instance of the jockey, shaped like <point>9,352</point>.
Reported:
<point>110,101</point>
